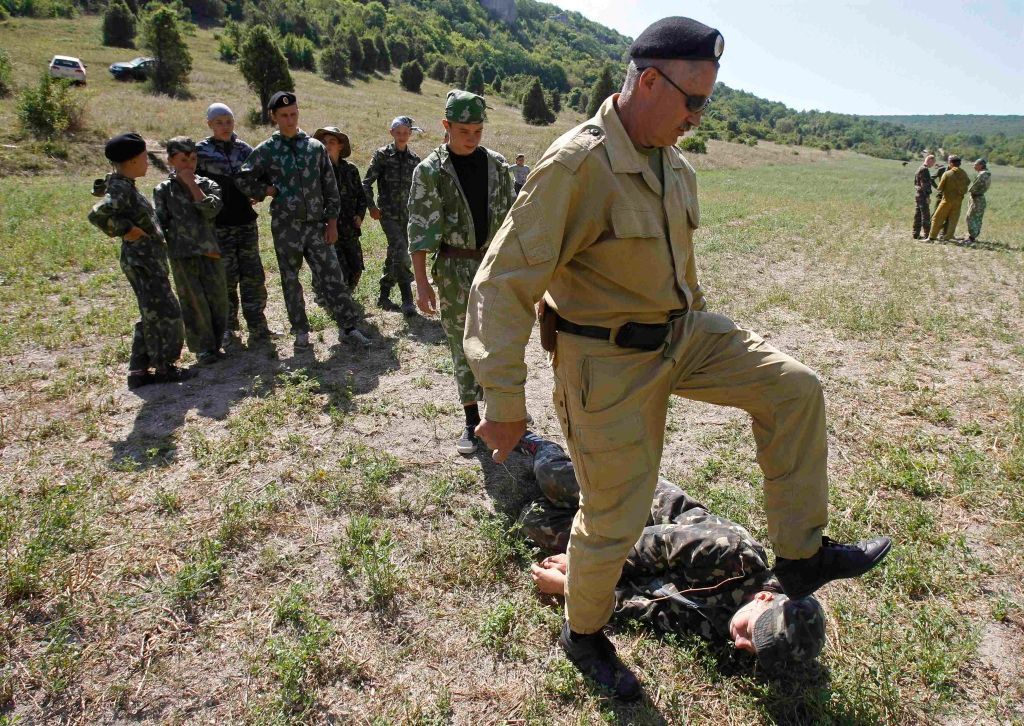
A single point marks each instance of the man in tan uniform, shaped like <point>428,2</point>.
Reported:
<point>953,186</point>
<point>602,231</point>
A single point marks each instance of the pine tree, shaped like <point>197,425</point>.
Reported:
<point>556,101</point>
<point>535,107</point>
<point>449,75</point>
<point>475,80</point>
<point>601,90</point>
<point>399,51</point>
<point>264,67</point>
<point>461,75</point>
<point>161,33</point>
<point>438,70</point>
<point>412,77</point>
<point>369,55</point>
<point>383,57</point>
<point>119,25</point>
<point>497,84</point>
<point>334,61</point>
<point>5,74</point>
<point>355,52</point>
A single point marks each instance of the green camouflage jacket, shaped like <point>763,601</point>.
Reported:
<point>392,170</point>
<point>300,169</point>
<point>353,198</point>
<point>438,210</point>
<point>980,184</point>
<point>123,207</point>
<point>188,224</point>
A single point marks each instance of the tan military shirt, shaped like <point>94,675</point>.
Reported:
<point>587,232</point>
<point>954,183</point>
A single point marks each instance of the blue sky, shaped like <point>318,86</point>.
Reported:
<point>866,56</point>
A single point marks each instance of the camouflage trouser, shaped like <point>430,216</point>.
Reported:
<point>243,274</point>
<point>975,211</point>
<point>453,277</point>
<point>922,213</point>
<point>397,265</point>
<point>946,216</point>
<point>203,295</point>
<point>295,241</point>
<point>158,335</point>
<point>349,249</point>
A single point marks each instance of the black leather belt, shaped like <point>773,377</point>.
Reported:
<point>643,336</point>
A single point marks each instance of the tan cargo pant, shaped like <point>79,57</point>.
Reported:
<point>612,403</point>
<point>947,214</point>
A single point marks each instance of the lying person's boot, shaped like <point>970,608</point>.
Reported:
<point>301,340</point>
<point>595,656</point>
<point>357,336</point>
<point>208,357</point>
<point>834,561</point>
<point>529,444</point>
<point>172,374</point>
<point>139,379</point>
<point>408,306</point>
<point>467,442</point>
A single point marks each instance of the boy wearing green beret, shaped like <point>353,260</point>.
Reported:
<point>126,213</point>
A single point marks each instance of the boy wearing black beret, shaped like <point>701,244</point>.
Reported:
<point>126,213</point>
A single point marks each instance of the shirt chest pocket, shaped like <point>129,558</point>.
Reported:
<point>633,223</point>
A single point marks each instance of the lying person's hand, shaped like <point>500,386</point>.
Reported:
<point>549,580</point>
<point>558,562</point>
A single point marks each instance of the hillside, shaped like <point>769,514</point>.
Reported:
<point>947,124</point>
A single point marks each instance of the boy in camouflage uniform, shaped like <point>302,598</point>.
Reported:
<point>923,184</point>
<point>460,195</point>
<point>690,571</point>
<point>221,156</point>
<point>353,203</point>
<point>126,213</point>
<point>186,206</point>
<point>976,206</point>
<point>391,167</point>
<point>294,170</point>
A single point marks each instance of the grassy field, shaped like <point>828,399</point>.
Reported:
<point>293,538</point>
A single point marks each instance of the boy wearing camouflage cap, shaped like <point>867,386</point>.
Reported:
<point>186,205</point>
<point>459,197</point>
<point>126,213</point>
<point>391,168</point>
<point>690,571</point>
<point>294,170</point>
<point>353,203</point>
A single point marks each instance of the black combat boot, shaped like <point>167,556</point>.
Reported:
<point>384,301</point>
<point>834,561</point>
<point>173,374</point>
<point>408,306</point>
<point>138,379</point>
<point>595,656</point>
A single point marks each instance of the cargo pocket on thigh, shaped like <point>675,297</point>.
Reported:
<point>613,453</point>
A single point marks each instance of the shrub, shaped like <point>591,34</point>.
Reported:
<point>475,80</point>
<point>399,51</point>
<point>334,61</point>
<point>556,101</point>
<point>438,70</point>
<point>5,74</point>
<point>412,77</point>
<point>300,52</point>
<point>497,84</point>
<point>694,144</point>
<point>355,51</point>
<point>161,33</point>
<point>449,75</point>
<point>535,106</point>
<point>119,26</point>
<point>383,57</point>
<point>264,67</point>
<point>49,109</point>
<point>603,88</point>
<point>369,50</point>
<point>461,76</point>
<point>230,42</point>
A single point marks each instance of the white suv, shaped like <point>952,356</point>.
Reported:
<point>64,66</point>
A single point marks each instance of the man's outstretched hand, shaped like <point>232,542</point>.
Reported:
<point>501,436</point>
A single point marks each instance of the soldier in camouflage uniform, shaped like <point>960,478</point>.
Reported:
<point>294,169</point>
<point>690,571</point>
<point>186,205</point>
<point>460,195</point>
<point>125,212</point>
<point>221,156</point>
<point>353,203</point>
<point>939,171</point>
<point>976,206</point>
<point>391,168</point>
<point>923,184</point>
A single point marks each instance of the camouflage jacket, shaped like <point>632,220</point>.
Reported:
<point>392,170</point>
<point>188,224</point>
<point>300,169</point>
<point>438,210</point>
<point>980,184</point>
<point>222,161</point>
<point>923,181</point>
<point>353,198</point>
<point>123,207</point>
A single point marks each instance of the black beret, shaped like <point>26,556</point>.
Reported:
<point>678,38</point>
<point>281,99</point>
<point>124,147</point>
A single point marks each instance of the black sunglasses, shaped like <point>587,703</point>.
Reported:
<point>694,104</point>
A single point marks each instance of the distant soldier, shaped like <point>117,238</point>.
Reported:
<point>976,206</point>
<point>126,213</point>
<point>520,171</point>
<point>221,156</point>
<point>953,186</point>
<point>939,171</point>
<point>391,168</point>
<point>295,171</point>
<point>353,203</point>
<point>460,195</point>
<point>923,184</point>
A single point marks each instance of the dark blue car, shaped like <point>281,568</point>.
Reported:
<point>137,69</point>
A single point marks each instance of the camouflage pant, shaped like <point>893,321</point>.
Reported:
<point>349,249</point>
<point>975,212</point>
<point>203,296</point>
<point>158,334</point>
<point>453,277</point>
<point>397,265</point>
<point>295,241</point>
<point>922,213</point>
<point>243,274</point>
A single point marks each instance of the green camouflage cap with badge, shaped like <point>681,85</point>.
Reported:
<point>463,107</point>
<point>180,144</point>
<point>790,631</point>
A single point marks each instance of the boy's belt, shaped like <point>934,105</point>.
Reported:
<point>462,253</point>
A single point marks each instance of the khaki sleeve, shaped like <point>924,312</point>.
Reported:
<point>538,237</point>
